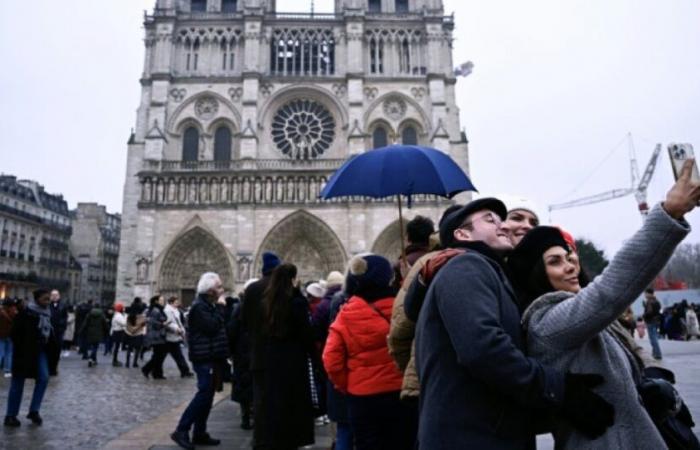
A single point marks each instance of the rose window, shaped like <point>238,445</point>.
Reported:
<point>303,129</point>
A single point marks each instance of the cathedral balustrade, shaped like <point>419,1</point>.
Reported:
<point>303,16</point>
<point>226,190</point>
<point>326,165</point>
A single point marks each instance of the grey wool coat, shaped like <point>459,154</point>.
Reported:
<point>571,332</point>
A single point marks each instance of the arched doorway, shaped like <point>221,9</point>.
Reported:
<point>307,242</point>
<point>388,243</point>
<point>193,253</point>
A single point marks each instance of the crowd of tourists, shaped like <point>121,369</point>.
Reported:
<point>485,333</point>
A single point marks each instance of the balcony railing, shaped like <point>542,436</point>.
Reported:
<point>303,16</point>
<point>242,165</point>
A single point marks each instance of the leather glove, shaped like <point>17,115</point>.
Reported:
<point>587,411</point>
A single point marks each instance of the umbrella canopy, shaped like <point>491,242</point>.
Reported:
<point>398,170</point>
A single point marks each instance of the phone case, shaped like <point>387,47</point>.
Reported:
<point>678,153</point>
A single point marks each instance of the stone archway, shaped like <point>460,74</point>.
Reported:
<point>388,243</point>
<point>191,254</point>
<point>307,242</point>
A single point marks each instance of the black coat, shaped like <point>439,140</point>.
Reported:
<point>59,317</point>
<point>239,344</point>
<point>27,344</point>
<point>290,414</point>
<point>252,316</point>
<point>207,332</point>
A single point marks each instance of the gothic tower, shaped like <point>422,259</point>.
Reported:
<point>245,112</point>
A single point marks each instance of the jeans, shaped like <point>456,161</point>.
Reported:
<point>93,351</point>
<point>14,399</point>
<point>653,330</point>
<point>197,411</point>
<point>344,438</point>
<point>6,354</point>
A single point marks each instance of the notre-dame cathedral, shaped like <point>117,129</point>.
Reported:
<point>245,113</point>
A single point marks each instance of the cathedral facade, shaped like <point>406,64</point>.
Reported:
<point>245,113</point>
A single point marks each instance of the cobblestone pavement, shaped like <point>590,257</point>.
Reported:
<point>87,408</point>
<point>84,408</point>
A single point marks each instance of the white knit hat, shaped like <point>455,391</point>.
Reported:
<point>315,290</point>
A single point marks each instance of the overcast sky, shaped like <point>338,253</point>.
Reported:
<point>556,87</point>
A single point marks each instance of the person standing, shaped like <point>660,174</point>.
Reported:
<point>59,322</point>
<point>652,318</point>
<point>208,350</point>
<point>8,311</point>
<point>418,232</point>
<point>478,387</point>
<point>32,336</point>
<point>134,332</point>
<point>117,332</point>
<point>69,335</point>
<point>251,316</point>
<point>94,329</point>
<point>239,345</point>
<point>174,336</point>
<point>691,321</point>
<point>156,329</point>
<point>81,314</point>
<point>358,363</point>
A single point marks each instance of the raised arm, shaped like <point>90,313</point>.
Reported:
<point>571,322</point>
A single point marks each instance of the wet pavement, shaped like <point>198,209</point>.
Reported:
<point>84,408</point>
<point>117,408</point>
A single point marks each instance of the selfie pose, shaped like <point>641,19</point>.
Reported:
<point>571,326</point>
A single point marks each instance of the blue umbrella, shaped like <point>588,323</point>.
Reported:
<point>398,170</point>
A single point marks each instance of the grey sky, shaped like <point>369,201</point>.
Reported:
<point>556,86</point>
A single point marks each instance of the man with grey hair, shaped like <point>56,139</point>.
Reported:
<point>208,350</point>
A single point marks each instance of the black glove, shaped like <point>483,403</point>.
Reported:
<point>584,409</point>
<point>660,372</point>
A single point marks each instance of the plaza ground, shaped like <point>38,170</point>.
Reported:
<point>117,408</point>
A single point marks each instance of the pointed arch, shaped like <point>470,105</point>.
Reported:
<point>189,255</point>
<point>307,242</point>
<point>388,243</point>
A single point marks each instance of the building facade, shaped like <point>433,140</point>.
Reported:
<point>245,113</point>
<point>35,233</point>
<point>95,246</point>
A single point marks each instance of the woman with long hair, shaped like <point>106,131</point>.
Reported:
<point>287,393</point>
<point>134,332</point>
<point>572,325</point>
<point>155,337</point>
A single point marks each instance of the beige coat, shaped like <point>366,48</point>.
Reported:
<point>402,334</point>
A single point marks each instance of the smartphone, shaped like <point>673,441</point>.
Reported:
<point>678,153</point>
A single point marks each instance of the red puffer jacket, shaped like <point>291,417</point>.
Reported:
<point>356,356</point>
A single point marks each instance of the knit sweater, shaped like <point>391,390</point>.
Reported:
<point>570,332</point>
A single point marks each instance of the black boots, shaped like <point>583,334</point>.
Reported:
<point>35,418</point>
<point>11,421</point>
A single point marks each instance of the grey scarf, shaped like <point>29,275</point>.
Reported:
<point>44,314</point>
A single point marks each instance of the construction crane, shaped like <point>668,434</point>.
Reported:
<point>639,190</point>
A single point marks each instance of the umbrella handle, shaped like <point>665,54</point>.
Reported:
<point>402,261</point>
